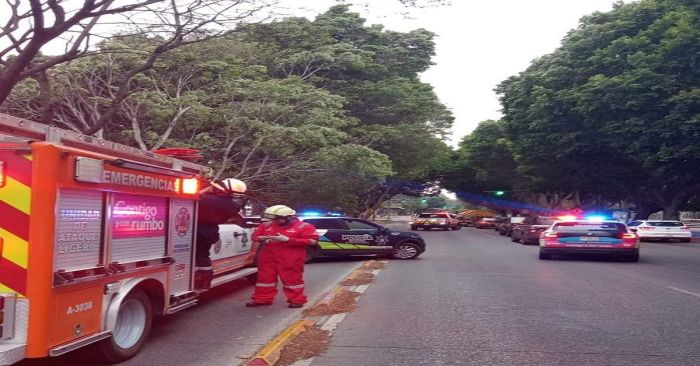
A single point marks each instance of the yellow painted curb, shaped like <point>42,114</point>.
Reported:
<point>270,354</point>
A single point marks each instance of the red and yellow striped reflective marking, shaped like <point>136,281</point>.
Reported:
<point>15,208</point>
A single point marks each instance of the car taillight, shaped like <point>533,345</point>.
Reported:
<point>628,236</point>
<point>685,228</point>
<point>550,235</point>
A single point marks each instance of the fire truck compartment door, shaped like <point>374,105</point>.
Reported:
<point>138,227</point>
<point>78,229</point>
<point>181,229</point>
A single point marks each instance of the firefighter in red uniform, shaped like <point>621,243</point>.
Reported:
<point>284,240</point>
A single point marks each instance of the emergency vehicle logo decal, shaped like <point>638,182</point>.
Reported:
<point>357,238</point>
<point>217,247</point>
<point>15,209</point>
<point>183,221</point>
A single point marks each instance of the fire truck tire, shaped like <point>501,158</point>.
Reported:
<point>132,328</point>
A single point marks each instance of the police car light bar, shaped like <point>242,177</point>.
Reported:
<point>596,218</point>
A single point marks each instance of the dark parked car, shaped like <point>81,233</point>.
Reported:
<point>529,231</point>
<point>507,227</point>
<point>347,236</point>
<point>500,221</point>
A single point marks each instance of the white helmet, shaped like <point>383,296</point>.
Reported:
<point>279,211</point>
<point>230,185</point>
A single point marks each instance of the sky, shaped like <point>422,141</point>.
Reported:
<point>479,44</point>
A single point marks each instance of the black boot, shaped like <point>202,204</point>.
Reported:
<point>202,278</point>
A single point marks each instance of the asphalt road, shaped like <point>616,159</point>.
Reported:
<point>475,298</point>
<point>220,329</point>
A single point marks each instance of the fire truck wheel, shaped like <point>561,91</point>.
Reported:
<point>131,330</point>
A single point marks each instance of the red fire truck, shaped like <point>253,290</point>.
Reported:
<point>96,238</point>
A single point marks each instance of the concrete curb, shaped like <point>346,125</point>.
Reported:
<point>270,353</point>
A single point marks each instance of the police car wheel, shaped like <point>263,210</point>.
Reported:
<point>131,330</point>
<point>405,251</point>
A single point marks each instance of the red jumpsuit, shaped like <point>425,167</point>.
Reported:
<point>283,259</point>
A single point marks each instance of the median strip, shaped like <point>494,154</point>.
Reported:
<point>309,336</point>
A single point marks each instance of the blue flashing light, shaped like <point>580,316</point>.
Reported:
<point>596,218</point>
<point>310,214</point>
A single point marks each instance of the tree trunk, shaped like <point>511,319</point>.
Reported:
<point>642,212</point>
<point>670,211</point>
<point>672,204</point>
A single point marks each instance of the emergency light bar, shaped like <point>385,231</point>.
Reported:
<point>596,218</point>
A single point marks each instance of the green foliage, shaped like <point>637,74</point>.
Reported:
<point>312,112</point>
<point>614,111</point>
<point>483,162</point>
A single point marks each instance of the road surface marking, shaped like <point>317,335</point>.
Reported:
<point>333,321</point>
<point>270,353</point>
<point>691,293</point>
